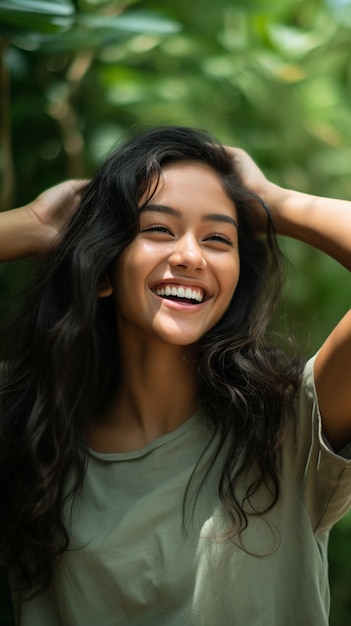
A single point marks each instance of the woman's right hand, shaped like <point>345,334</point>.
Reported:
<point>39,225</point>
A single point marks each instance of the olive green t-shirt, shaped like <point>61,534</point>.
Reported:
<point>143,556</point>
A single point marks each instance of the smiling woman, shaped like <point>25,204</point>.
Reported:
<point>183,247</point>
<point>161,461</point>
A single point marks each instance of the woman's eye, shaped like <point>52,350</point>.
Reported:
<point>156,228</point>
<point>220,238</point>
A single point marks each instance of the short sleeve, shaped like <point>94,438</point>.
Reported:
<point>325,474</point>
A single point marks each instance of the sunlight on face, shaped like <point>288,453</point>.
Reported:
<point>176,279</point>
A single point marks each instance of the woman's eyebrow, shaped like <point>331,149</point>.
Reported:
<point>208,217</point>
<point>220,217</point>
<point>161,208</point>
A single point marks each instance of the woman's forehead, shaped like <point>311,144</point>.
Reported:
<point>180,178</point>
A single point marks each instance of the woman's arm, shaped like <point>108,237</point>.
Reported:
<point>37,226</point>
<point>325,224</point>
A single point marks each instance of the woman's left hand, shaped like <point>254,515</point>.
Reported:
<point>254,179</point>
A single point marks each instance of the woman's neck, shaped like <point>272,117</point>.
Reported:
<point>156,393</point>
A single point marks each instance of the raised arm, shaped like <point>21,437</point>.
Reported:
<point>324,223</point>
<point>37,226</point>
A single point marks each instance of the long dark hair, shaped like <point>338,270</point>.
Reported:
<point>61,363</point>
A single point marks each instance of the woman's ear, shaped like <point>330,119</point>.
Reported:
<point>105,287</point>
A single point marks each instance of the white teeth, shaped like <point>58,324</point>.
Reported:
<point>180,292</point>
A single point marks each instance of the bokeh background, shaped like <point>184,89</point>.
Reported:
<point>273,76</point>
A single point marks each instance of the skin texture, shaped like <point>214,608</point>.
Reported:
<point>183,241</point>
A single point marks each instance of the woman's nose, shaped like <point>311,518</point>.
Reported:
<point>187,253</point>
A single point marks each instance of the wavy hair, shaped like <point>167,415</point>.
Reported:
<point>61,361</point>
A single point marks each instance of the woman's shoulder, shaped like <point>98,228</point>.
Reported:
<point>322,474</point>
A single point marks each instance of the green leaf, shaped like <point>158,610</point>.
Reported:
<point>293,41</point>
<point>97,32</point>
<point>35,15</point>
<point>136,22</point>
<point>44,7</point>
<point>79,39</point>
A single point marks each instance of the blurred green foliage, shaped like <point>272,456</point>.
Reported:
<point>272,77</point>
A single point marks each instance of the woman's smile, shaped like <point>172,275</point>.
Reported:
<point>180,293</point>
<point>176,279</point>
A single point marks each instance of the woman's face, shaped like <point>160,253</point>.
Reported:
<point>176,279</point>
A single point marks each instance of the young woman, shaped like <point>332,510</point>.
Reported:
<point>160,461</point>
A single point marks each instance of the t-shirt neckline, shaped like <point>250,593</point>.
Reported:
<point>159,441</point>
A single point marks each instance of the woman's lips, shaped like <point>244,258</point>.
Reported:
<point>185,293</point>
